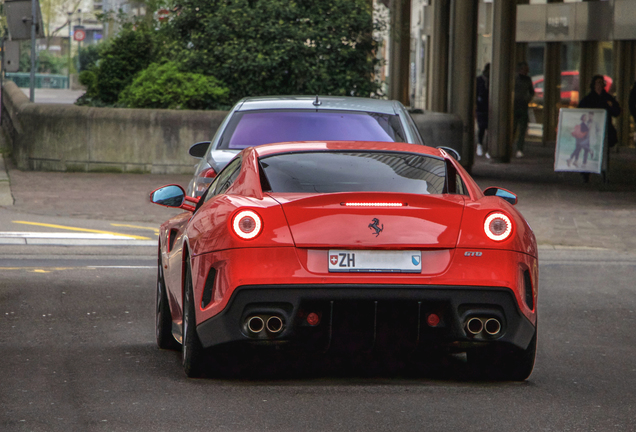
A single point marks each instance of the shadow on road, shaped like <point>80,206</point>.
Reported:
<point>247,365</point>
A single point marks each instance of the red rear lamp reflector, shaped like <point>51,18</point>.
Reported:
<point>313,319</point>
<point>498,226</point>
<point>432,320</point>
<point>372,204</point>
<point>247,224</point>
<point>208,173</point>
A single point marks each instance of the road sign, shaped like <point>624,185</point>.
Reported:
<point>19,14</point>
<point>163,14</point>
<point>11,56</point>
<point>79,35</point>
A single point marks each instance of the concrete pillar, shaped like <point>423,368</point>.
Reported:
<point>502,80</point>
<point>589,66</point>
<point>462,66</point>
<point>551,90</point>
<point>624,71</point>
<point>438,57</point>
<point>400,50</point>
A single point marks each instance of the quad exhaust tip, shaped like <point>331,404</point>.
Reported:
<point>274,324</point>
<point>474,326</point>
<point>492,326</point>
<point>255,324</point>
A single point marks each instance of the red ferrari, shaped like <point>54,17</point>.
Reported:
<point>348,247</point>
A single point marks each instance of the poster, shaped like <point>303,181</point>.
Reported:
<point>580,140</point>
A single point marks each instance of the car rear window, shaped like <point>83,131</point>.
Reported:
<point>330,172</point>
<point>254,128</point>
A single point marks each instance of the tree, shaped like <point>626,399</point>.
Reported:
<point>51,9</point>
<point>46,62</point>
<point>120,59</point>
<point>278,46</point>
<point>165,86</point>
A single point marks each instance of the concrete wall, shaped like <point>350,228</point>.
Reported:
<point>52,137</point>
<point>73,138</point>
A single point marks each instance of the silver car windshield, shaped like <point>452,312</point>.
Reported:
<point>254,128</point>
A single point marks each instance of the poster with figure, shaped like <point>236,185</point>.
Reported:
<point>580,140</point>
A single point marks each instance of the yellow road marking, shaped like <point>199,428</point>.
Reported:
<point>81,229</point>
<point>39,270</point>
<point>43,271</point>
<point>135,226</point>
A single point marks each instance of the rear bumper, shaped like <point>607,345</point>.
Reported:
<point>368,317</point>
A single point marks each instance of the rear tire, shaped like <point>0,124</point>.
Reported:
<point>505,363</point>
<point>518,364</point>
<point>163,321</point>
<point>192,354</point>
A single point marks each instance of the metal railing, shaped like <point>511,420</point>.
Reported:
<point>22,79</point>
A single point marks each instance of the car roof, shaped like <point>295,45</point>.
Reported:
<point>343,103</point>
<point>308,146</point>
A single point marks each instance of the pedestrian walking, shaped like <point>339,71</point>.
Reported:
<point>524,91</point>
<point>481,110</point>
<point>599,98</point>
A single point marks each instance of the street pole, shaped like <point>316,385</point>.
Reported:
<point>2,78</point>
<point>70,14</point>
<point>79,45</point>
<point>33,23</point>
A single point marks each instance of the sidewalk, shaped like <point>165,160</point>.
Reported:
<point>54,96</point>
<point>563,211</point>
<point>5,187</point>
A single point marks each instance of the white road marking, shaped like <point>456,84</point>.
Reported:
<point>70,239</point>
<point>49,235</point>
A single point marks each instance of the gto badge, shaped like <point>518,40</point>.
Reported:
<point>472,254</point>
<point>375,226</point>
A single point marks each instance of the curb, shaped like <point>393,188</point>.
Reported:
<point>6,199</point>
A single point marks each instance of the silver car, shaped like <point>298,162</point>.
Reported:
<point>262,120</point>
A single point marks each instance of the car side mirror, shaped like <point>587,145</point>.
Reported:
<point>501,193</point>
<point>173,196</point>
<point>199,149</point>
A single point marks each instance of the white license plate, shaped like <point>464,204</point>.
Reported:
<point>375,261</point>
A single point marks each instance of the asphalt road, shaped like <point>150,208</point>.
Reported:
<point>78,354</point>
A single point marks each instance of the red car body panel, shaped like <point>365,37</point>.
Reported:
<point>287,265</point>
<point>322,220</point>
<point>299,229</point>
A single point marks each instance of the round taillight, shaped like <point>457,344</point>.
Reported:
<point>498,226</point>
<point>247,224</point>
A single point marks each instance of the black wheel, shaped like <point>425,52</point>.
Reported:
<point>505,363</point>
<point>518,364</point>
<point>163,323</point>
<point>192,355</point>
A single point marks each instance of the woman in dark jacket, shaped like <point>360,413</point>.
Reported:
<point>599,98</point>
